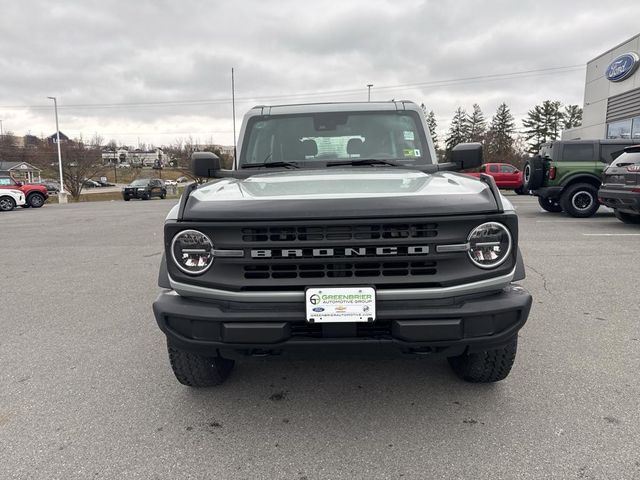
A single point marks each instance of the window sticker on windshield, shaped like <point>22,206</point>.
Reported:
<point>411,152</point>
<point>409,135</point>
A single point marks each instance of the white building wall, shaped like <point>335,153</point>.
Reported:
<point>598,90</point>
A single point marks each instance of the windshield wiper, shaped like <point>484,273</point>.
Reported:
<point>271,165</point>
<point>364,161</point>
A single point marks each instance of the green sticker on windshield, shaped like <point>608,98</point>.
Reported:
<point>411,152</point>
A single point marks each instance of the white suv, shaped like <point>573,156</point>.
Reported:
<point>10,199</point>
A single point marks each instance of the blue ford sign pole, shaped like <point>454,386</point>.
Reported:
<point>622,67</point>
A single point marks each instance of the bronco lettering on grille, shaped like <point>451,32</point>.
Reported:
<point>340,252</point>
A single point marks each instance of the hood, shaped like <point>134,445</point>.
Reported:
<point>343,193</point>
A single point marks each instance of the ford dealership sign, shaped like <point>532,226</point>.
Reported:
<point>622,67</point>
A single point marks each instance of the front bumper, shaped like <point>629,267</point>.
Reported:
<point>134,193</point>
<point>447,326</point>
<point>624,200</point>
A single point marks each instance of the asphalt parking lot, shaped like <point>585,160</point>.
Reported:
<point>86,390</point>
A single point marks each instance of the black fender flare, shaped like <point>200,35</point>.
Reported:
<point>163,274</point>
<point>520,274</point>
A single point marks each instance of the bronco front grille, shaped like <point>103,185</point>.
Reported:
<point>340,232</point>
<point>339,270</point>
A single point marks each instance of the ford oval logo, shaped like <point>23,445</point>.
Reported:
<point>318,309</point>
<point>622,67</point>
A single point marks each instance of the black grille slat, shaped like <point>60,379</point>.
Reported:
<point>386,231</point>
<point>339,270</point>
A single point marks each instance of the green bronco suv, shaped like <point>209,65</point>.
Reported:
<point>566,175</point>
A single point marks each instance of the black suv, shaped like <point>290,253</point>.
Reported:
<point>621,186</point>
<point>144,189</point>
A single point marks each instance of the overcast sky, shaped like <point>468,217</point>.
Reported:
<point>155,71</point>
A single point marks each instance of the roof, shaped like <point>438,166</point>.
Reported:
<point>615,48</point>
<point>62,136</point>
<point>335,107</point>
<point>7,166</point>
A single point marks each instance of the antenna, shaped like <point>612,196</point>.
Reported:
<point>233,103</point>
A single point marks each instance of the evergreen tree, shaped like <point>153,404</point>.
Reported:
<point>432,124</point>
<point>477,126</point>
<point>499,141</point>
<point>543,123</point>
<point>572,116</point>
<point>458,130</point>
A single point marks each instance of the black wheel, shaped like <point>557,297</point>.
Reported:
<point>533,174</point>
<point>163,195</point>
<point>7,204</point>
<point>196,370</point>
<point>520,191</point>
<point>485,367</point>
<point>126,199</point>
<point>580,200</point>
<point>627,217</point>
<point>549,204</point>
<point>36,200</point>
<point>146,197</point>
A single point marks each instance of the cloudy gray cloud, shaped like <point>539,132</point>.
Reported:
<point>97,55</point>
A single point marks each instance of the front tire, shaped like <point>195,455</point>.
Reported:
<point>36,200</point>
<point>198,371</point>
<point>485,367</point>
<point>7,204</point>
<point>580,200</point>
<point>549,204</point>
<point>629,218</point>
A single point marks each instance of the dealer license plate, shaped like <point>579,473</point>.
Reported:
<point>344,304</point>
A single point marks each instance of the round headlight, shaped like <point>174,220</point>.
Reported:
<point>192,251</point>
<point>489,245</point>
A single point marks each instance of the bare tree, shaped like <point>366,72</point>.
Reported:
<point>80,162</point>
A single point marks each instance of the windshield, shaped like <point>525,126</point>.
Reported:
<point>317,138</point>
<point>140,183</point>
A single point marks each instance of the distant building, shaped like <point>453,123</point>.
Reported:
<point>22,171</point>
<point>54,138</point>
<point>26,141</point>
<point>611,95</point>
<point>225,149</point>
<point>135,158</point>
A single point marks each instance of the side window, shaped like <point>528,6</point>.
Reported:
<point>507,169</point>
<point>577,152</point>
<point>493,168</point>
<point>608,153</point>
<point>5,181</point>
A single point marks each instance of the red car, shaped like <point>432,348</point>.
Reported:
<point>506,176</point>
<point>35,195</point>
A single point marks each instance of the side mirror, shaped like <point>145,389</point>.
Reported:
<point>204,164</point>
<point>467,155</point>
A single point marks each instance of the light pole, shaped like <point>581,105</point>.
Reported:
<point>369,91</point>
<point>62,195</point>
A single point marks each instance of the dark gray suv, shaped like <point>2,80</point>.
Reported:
<point>620,188</point>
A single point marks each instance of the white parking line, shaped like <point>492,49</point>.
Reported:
<point>611,234</point>
<point>571,221</point>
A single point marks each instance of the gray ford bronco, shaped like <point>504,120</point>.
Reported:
<point>338,228</point>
